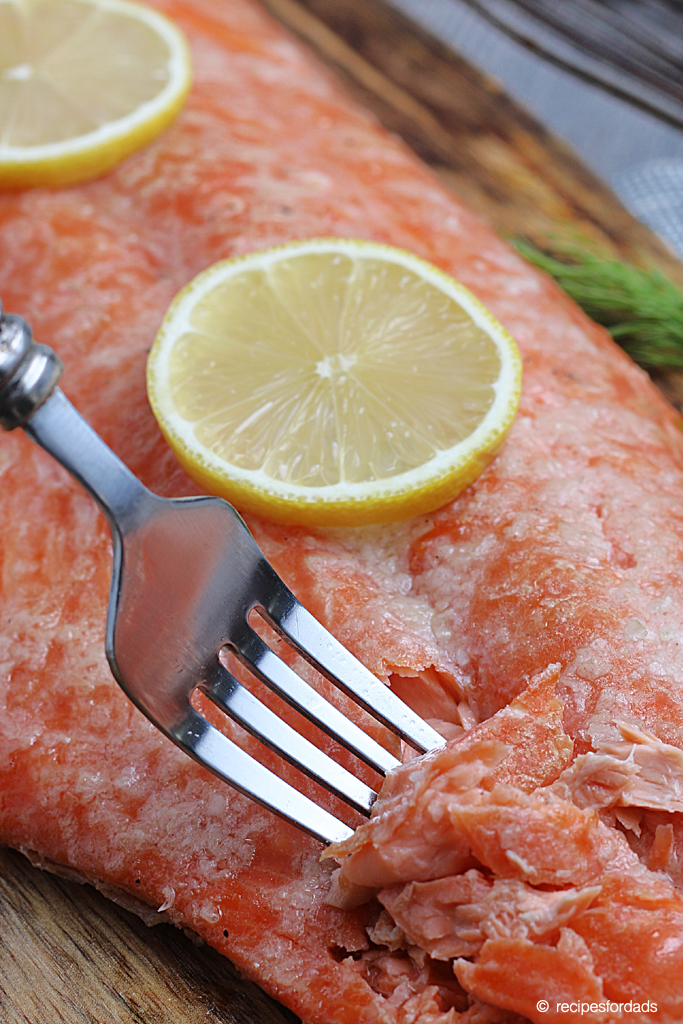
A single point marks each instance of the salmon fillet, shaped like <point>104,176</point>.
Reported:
<point>537,619</point>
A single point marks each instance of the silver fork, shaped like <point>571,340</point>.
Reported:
<point>186,576</point>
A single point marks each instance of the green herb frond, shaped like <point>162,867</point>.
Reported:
<point>642,309</point>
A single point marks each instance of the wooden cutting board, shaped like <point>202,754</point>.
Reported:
<point>67,954</point>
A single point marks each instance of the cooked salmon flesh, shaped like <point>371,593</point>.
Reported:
<point>537,620</point>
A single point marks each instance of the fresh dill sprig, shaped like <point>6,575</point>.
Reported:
<point>642,309</point>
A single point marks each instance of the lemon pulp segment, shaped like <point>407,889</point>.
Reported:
<point>332,381</point>
<point>83,83</point>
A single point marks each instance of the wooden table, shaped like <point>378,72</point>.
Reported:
<point>67,954</point>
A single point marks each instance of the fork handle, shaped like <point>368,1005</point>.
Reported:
<point>28,372</point>
<point>29,398</point>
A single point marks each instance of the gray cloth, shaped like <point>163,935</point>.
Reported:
<point>636,153</point>
<point>653,191</point>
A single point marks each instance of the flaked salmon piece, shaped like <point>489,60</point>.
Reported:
<point>422,990</point>
<point>634,921</point>
<point>632,769</point>
<point>414,833</point>
<point>453,917</point>
<point>555,888</point>
<point>657,782</point>
<point>541,839</point>
<point>568,551</point>
<point>659,857</point>
<point>529,973</point>
<point>596,780</point>
<point>534,838</point>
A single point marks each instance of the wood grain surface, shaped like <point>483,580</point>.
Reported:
<point>67,954</point>
<point>70,956</point>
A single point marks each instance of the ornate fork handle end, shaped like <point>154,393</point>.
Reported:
<point>28,372</point>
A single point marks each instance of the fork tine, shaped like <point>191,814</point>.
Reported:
<point>225,759</point>
<point>233,698</point>
<point>276,674</point>
<point>294,623</point>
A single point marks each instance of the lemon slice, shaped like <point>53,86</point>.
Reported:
<point>332,382</point>
<point>83,84</point>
